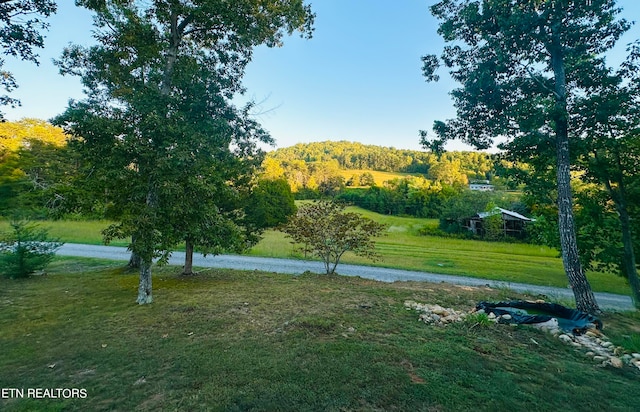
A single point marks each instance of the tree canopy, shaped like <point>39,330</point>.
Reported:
<point>521,66</point>
<point>21,26</point>
<point>166,143</point>
<point>609,125</point>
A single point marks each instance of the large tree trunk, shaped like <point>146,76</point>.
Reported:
<point>135,260</point>
<point>144,288</point>
<point>585,300</point>
<point>628,265</point>
<point>629,257</point>
<point>188,258</point>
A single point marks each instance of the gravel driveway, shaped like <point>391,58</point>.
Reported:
<point>291,266</point>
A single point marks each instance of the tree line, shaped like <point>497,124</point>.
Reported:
<point>355,155</point>
<point>314,169</point>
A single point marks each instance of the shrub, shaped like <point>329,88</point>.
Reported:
<point>325,230</point>
<point>25,250</point>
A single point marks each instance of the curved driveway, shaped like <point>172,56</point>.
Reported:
<point>291,266</point>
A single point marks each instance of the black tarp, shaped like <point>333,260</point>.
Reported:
<point>527,312</point>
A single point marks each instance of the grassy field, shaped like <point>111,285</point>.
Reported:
<point>378,177</point>
<point>403,248</point>
<point>238,341</point>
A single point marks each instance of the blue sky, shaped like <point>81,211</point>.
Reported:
<point>357,79</point>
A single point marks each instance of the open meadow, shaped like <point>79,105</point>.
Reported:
<point>235,341</point>
<point>379,177</point>
<point>404,248</point>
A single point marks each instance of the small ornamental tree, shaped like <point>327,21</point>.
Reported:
<point>325,230</point>
<point>25,250</point>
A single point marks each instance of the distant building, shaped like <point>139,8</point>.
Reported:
<point>482,186</point>
<point>513,223</point>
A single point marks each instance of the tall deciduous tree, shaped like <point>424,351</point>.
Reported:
<point>521,65</point>
<point>171,149</point>
<point>21,24</point>
<point>609,122</point>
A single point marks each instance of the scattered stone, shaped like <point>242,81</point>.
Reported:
<point>439,310</point>
<point>435,314</point>
<point>550,326</point>
<point>616,362</point>
<point>596,345</point>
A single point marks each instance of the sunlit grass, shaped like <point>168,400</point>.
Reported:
<point>232,340</point>
<point>378,177</point>
<point>404,248</point>
<point>75,231</point>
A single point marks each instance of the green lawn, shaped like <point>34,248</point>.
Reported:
<point>236,341</point>
<point>403,248</point>
<point>74,231</point>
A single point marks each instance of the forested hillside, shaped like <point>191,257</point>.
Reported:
<point>354,155</point>
<point>36,168</point>
<point>320,166</point>
<point>416,183</point>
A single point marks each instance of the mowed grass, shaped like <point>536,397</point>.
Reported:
<point>236,341</point>
<point>74,231</point>
<point>404,248</point>
<point>379,177</point>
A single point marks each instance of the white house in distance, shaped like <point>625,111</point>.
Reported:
<point>481,185</point>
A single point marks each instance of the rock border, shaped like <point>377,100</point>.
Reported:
<point>598,347</point>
